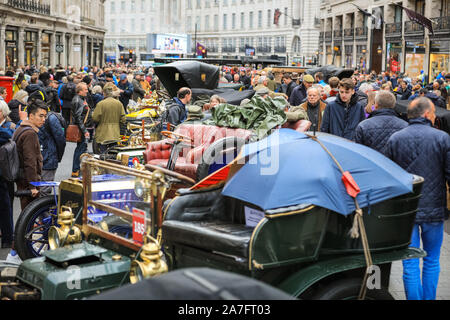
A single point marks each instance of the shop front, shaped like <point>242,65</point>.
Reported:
<point>30,47</point>
<point>439,58</point>
<point>45,49</point>
<point>394,56</point>
<point>11,53</point>
<point>414,58</point>
<point>361,58</point>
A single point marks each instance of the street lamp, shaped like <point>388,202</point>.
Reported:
<point>379,50</point>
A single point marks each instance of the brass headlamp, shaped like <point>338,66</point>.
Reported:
<point>151,264</point>
<point>67,233</point>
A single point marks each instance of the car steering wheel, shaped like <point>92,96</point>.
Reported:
<point>177,136</point>
<point>182,177</point>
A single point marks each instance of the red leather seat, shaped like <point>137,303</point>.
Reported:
<point>300,125</point>
<point>203,136</point>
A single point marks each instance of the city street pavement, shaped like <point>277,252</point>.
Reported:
<point>396,283</point>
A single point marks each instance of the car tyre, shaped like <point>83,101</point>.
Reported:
<point>39,208</point>
<point>348,289</point>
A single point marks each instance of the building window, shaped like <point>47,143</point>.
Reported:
<point>188,24</point>
<point>225,3</point>
<point>233,21</point>
<point>113,6</point>
<point>420,7</point>
<point>122,6</point>
<point>199,4</point>
<point>143,5</point>
<point>269,18</point>
<point>206,23</point>
<point>133,5</point>
<point>142,25</point>
<point>189,4</point>
<point>250,20</point>
<point>242,20</point>
<point>225,17</point>
<point>112,26</point>
<point>286,15</point>
<point>216,22</point>
<point>260,19</point>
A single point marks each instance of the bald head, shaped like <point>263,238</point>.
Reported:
<point>421,107</point>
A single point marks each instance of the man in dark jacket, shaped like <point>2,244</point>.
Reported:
<point>29,150</point>
<point>299,93</point>
<point>405,92</point>
<point>138,91</point>
<point>176,112</point>
<point>52,96</point>
<point>342,116</point>
<point>376,131</point>
<point>425,151</point>
<point>34,85</point>
<point>81,114</point>
<point>126,91</point>
<point>68,92</point>
<point>53,143</point>
<point>246,81</point>
<point>6,213</point>
<point>288,85</point>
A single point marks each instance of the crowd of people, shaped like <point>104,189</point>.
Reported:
<point>360,108</point>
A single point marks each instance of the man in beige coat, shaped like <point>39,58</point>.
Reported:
<point>108,115</point>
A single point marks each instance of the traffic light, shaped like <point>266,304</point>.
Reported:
<point>131,57</point>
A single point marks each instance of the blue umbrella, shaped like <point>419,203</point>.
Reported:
<point>290,168</point>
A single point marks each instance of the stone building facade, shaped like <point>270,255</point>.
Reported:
<point>51,32</point>
<point>350,39</point>
<point>226,27</point>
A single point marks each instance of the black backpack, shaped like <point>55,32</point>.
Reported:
<point>9,159</point>
<point>68,91</point>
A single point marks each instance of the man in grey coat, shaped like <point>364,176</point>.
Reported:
<point>138,91</point>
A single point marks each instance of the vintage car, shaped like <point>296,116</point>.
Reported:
<point>304,250</point>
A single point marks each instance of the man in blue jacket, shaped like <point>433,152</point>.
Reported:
<point>384,121</point>
<point>126,91</point>
<point>53,143</point>
<point>342,116</point>
<point>425,151</point>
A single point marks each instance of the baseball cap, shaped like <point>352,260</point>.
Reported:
<point>123,76</point>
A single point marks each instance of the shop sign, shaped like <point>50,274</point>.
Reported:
<point>76,48</point>
<point>29,45</point>
<point>10,44</point>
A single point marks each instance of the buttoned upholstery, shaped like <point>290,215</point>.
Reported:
<point>158,152</point>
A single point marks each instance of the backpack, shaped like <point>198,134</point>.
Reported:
<point>68,91</point>
<point>9,159</point>
<point>61,119</point>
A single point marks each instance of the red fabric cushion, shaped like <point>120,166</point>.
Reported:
<point>202,136</point>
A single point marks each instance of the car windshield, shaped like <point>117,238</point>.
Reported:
<point>118,202</point>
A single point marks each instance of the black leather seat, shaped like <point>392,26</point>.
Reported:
<point>227,238</point>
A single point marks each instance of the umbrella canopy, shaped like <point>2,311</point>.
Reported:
<point>332,71</point>
<point>192,74</point>
<point>289,168</point>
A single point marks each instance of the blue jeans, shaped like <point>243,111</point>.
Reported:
<point>432,235</point>
<point>6,214</point>
<point>79,150</point>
